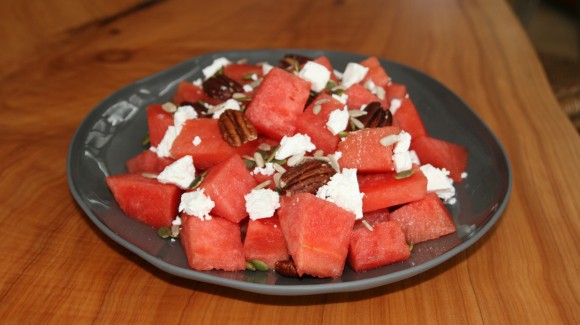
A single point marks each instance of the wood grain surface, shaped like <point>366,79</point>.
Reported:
<point>58,64</point>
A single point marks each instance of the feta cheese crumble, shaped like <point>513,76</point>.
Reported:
<point>297,144</point>
<point>228,104</point>
<point>261,203</point>
<point>395,105</point>
<point>176,221</point>
<point>266,68</point>
<point>166,143</point>
<point>354,73</point>
<point>341,98</point>
<point>401,155</point>
<point>343,190</point>
<point>196,141</point>
<point>248,88</point>
<point>316,74</point>
<point>267,170</point>
<point>214,67</point>
<point>181,173</point>
<point>439,182</point>
<point>337,120</point>
<point>182,115</point>
<point>197,204</point>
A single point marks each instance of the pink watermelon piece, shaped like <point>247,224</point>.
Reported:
<point>314,125</point>
<point>278,103</point>
<point>358,95</point>
<point>384,245</point>
<point>424,219</point>
<point>212,150</point>
<point>317,233</point>
<point>212,244</point>
<point>188,92</point>
<point>363,150</point>
<point>241,72</point>
<point>396,91</point>
<point>158,121</point>
<point>442,154</point>
<point>376,72</point>
<point>408,119</point>
<point>384,190</point>
<point>147,162</point>
<point>373,218</point>
<point>226,184</point>
<point>265,241</point>
<point>144,199</point>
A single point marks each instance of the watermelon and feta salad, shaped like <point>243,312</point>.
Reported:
<point>292,167</point>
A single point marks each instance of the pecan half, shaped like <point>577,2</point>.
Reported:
<point>286,268</point>
<point>235,128</point>
<point>221,87</point>
<point>306,177</point>
<point>376,116</point>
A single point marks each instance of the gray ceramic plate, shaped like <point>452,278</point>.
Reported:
<point>113,131</point>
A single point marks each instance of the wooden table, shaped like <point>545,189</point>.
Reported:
<point>58,62</point>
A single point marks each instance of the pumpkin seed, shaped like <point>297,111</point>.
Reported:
<point>263,184</point>
<point>175,231</point>
<point>146,142</point>
<point>356,113</point>
<point>404,174</point>
<point>149,175</point>
<point>279,168</point>
<point>316,109</point>
<point>272,154</point>
<point>260,266</point>
<point>367,225</point>
<point>250,266</point>
<point>357,123</point>
<point>197,180</point>
<point>259,159</point>
<point>411,245</point>
<point>343,134</point>
<point>169,107</point>
<point>389,140</point>
<point>264,146</point>
<point>164,232</point>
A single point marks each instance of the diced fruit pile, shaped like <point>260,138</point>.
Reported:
<point>296,168</point>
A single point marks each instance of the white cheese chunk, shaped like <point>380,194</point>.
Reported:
<point>228,104</point>
<point>176,221</point>
<point>439,182</point>
<point>262,203</point>
<point>316,74</point>
<point>297,144</point>
<point>266,68</point>
<point>214,67</point>
<point>165,145</point>
<point>337,120</point>
<point>248,88</point>
<point>395,105</point>
<point>198,82</point>
<point>341,98</point>
<point>401,155</point>
<point>196,141</point>
<point>354,73</point>
<point>267,170</point>
<point>181,173</point>
<point>414,158</point>
<point>343,190</point>
<point>183,114</point>
<point>197,204</point>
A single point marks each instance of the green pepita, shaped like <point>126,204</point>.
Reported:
<point>146,142</point>
<point>164,232</point>
<point>250,266</point>
<point>404,174</point>
<point>260,266</point>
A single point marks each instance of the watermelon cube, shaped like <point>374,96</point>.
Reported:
<point>408,119</point>
<point>317,233</point>
<point>187,92</point>
<point>144,199</point>
<point>424,219</point>
<point>158,120</point>
<point>442,154</point>
<point>212,149</point>
<point>226,184</point>
<point>396,91</point>
<point>385,190</point>
<point>358,95</point>
<point>265,241</point>
<point>314,125</point>
<point>278,103</point>
<point>147,162</point>
<point>212,244</point>
<point>384,245</point>
<point>376,72</point>
<point>363,150</point>
<point>241,72</point>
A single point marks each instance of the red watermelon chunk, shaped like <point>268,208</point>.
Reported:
<point>424,220</point>
<point>384,245</point>
<point>188,92</point>
<point>278,103</point>
<point>317,233</point>
<point>408,119</point>
<point>144,199</point>
<point>396,91</point>
<point>158,120</point>
<point>314,125</point>
<point>212,150</point>
<point>242,72</point>
<point>212,244</point>
<point>265,241</point>
<point>147,162</point>
<point>373,218</point>
<point>363,150</point>
<point>442,154</point>
<point>358,95</point>
<point>384,190</point>
<point>376,72</point>
<point>226,184</point>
